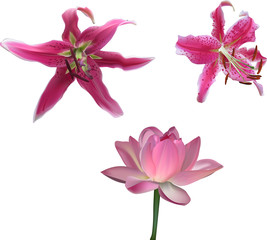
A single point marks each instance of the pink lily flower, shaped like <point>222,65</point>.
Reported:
<point>222,51</point>
<point>161,162</point>
<point>79,57</point>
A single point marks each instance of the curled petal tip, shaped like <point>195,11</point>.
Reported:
<point>227,3</point>
<point>87,12</point>
<point>243,14</point>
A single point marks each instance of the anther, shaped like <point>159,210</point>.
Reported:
<point>255,53</point>
<point>75,59</point>
<point>80,77</point>
<point>254,77</point>
<point>246,83</point>
<point>233,52</point>
<point>69,68</point>
<point>260,67</point>
<point>226,78</point>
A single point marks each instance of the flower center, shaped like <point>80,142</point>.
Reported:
<point>240,65</point>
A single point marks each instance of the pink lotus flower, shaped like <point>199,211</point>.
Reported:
<point>161,161</point>
<point>78,56</point>
<point>222,52</point>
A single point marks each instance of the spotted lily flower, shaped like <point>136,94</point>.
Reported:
<point>78,56</point>
<point>222,51</point>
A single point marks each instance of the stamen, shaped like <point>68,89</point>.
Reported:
<point>80,77</point>
<point>69,68</point>
<point>255,53</point>
<point>254,77</point>
<point>233,52</point>
<point>260,67</point>
<point>226,78</point>
<point>223,60</point>
<point>75,59</point>
<point>246,83</point>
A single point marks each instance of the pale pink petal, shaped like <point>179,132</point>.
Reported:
<point>173,194</point>
<point>241,32</point>
<point>191,154</point>
<point>87,12</point>
<point>206,79</point>
<point>202,168</point>
<point>259,87</point>
<point>100,36</point>
<point>129,152</point>
<point>166,160</point>
<point>147,133</point>
<point>146,159</point>
<point>200,49</point>
<point>98,90</point>
<point>120,174</point>
<point>138,185</point>
<point>45,53</point>
<point>116,60</point>
<point>70,19</point>
<point>218,21</point>
<point>53,92</point>
<point>172,134</point>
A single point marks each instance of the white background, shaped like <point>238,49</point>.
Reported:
<point>50,181</point>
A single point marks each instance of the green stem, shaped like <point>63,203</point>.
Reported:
<point>155,214</point>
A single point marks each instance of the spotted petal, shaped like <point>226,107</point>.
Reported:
<point>45,53</point>
<point>241,32</point>
<point>53,92</point>
<point>116,60</point>
<point>98,90</point>
<point>200,49</point>
<point>218,21</point>
<point>206,79</point>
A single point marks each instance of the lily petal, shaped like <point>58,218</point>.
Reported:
<point>129,152</point>
<point>206,79</point>
<point>200,49</point>
<point>45,53</point>
<point>98,90</point>
<point>137,185</point>
<point>241,32</point>
<point>120,174</point>
<point>218,21</point>
<point>191,154</point>
<point>259,87</point>
<point>87,12</point>
<point>249,54</point>
<point>116,60</point>
<point>202,168</point>
<point>147,133</point>
<point>173,194</point>
<point>53,92</point>
<point>100,36</point>
<point>70,19</point>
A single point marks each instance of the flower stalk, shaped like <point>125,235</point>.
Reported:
<point>155,214</point>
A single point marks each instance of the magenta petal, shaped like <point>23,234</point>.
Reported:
<point>120,174</point>
<point>100,36</point>
<point>191,154</point>
<point>200,49</point>
<point>53,92</point>
<point>98,90</point>
<point>87,12</point>
<point>70,19</point>
<point>202,168</point>
<point>249,54</point>
<point>206,79</point>
<point>129,152</point>
<point>218,21</point>
<point>173,194</point>
<point>147,133</point>
<point>138,185</point>
<point>116,60</point>
<point>241,32</point>
<point>45,53</point>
